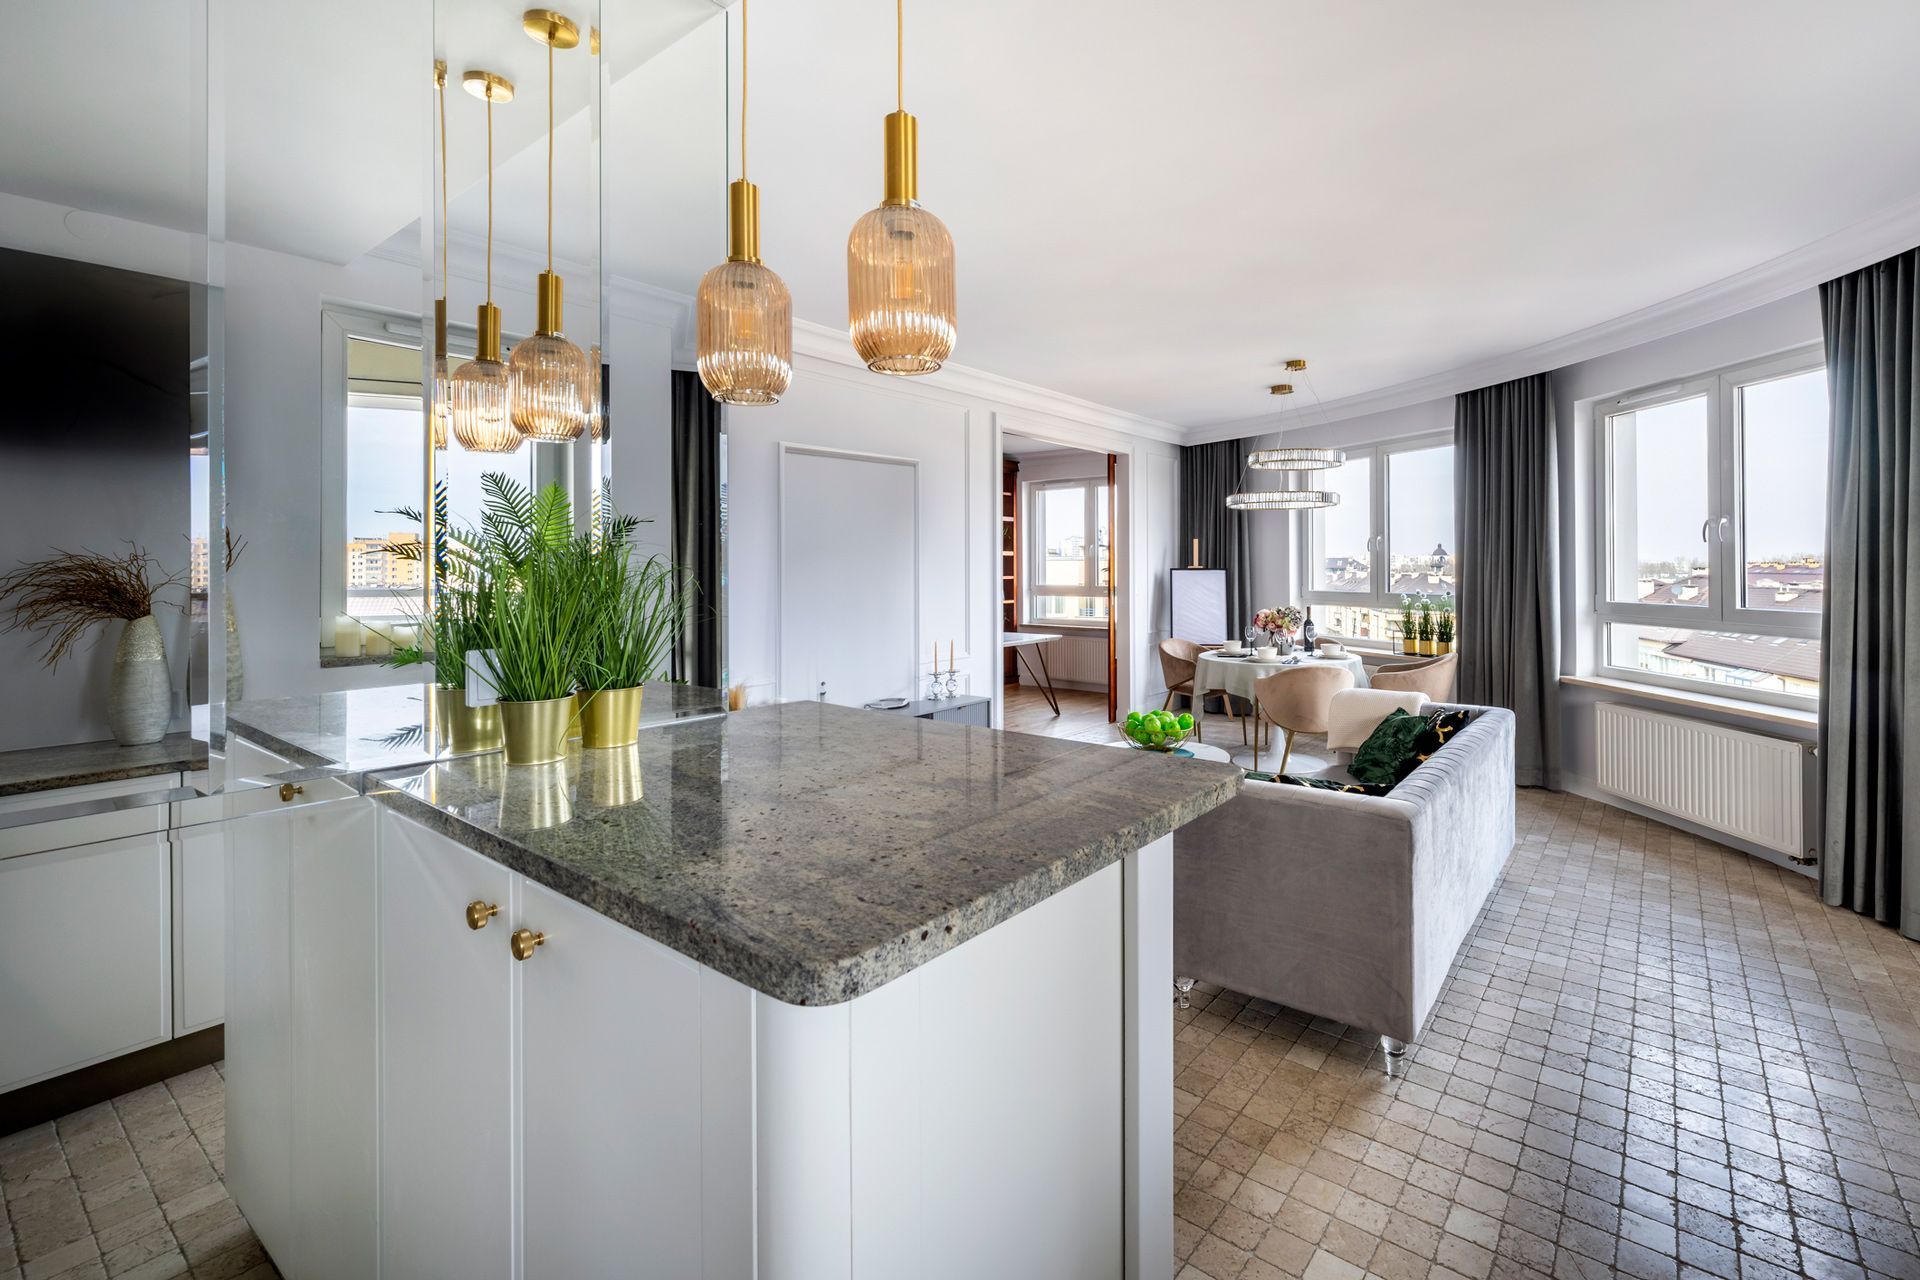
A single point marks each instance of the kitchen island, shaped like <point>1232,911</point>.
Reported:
<point>798,991</point>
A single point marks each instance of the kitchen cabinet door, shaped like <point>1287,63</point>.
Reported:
<point>259,1011</point>
<point>84,963</point>
<point>446,1090</point>
<point>199,928</point>
<point>611,1093</point>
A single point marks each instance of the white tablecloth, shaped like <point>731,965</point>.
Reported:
<point>1236,675</point>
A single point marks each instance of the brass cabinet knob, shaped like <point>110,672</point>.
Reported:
<point>289,790</point>
<point>523,941</point>
<point>478,913</point>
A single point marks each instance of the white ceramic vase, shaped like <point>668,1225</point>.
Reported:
<point>140,697</point>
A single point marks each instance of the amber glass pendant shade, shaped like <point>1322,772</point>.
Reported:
<point>596,408</point>
<point>744,315</point>
<point>442,421</point>
<point>550,376</point>
<point>900,294</point>
<point>482,395</point>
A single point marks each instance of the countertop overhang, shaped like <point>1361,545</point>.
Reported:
<point>810,851</point>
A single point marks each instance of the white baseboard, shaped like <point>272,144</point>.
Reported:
<point>1588,789</point>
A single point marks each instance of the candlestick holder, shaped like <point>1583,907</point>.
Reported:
<point>936,691</point>
<point>953,683</point>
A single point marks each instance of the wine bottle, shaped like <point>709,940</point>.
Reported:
<point>1307,631</point>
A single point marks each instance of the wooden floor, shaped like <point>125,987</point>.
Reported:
<point>1083,717</point>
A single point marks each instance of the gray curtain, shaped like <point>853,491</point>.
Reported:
<point>697,512</point>
<point>1506,513</point>
<point>1870,629</point>
<point>1208,473</point>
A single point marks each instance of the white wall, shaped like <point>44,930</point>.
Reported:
<point>1790,322</point>
<point>950,424</point>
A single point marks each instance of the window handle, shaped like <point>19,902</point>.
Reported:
<point>1704,526</point>
<point>1726,529</point>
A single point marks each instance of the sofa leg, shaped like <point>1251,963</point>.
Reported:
<point>1181,987</point>
<point>1394,1049</point>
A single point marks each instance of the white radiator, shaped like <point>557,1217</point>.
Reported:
<point>1745,784</point>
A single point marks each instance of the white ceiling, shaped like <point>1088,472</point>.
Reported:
<point>1155,204</point>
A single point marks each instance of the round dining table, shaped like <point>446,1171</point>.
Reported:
<point>1236,675</point>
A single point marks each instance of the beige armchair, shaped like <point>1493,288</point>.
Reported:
<point>1296,700</point>
<point>1431,676</point>
<point>1179,660</point>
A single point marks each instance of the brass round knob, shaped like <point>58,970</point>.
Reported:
<point>289,790</point>
<point>523,941</point>
<point>478,913</point>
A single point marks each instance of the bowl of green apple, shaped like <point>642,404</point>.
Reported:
<point>1161,731</point>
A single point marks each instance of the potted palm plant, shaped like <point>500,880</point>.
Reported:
<point>642,607</point>
<point>1443,630</point>
<point>452,626</point>
<point>544,612</point>
<point>1409,624</point>
<point>1424,626</point>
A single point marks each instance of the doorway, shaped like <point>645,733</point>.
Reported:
<point>1060,513</point>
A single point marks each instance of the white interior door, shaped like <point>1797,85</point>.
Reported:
<point>849,576</point>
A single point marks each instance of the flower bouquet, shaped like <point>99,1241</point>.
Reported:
<point>1278,623</point>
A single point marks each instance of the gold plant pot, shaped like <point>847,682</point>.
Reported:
<point>458,728</point>
<point>1409,645</point>
<point>610,717</point>
<point>573,725</point>
<point>536,798</point>
<point>1426,648</point>
<point>614,777</point>
<point>1443,646</point>
<point>536,732</point>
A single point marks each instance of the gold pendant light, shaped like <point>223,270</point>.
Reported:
<point>549,373</point>
<point>745,312</point>
<point>441,419</point>
<point>481,398</point>
<point>900,291</point>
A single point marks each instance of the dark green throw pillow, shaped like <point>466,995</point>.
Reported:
<point>1438,730</point>
<point>1379,757</point>
<point>1334,784</point>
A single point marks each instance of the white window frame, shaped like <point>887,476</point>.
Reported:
<point>1033,553</point>
<point>1379,541</point>
<point>1724,530</point>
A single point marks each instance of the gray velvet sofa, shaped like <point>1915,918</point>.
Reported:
<point>1346,906</point>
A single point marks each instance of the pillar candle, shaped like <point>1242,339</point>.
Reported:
<point>377,643</point>
<point>346,637</point>
<point>936,656</point>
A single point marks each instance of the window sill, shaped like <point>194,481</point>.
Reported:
<point>1761,711</point>
<point>1100,627</point>
<point>329,659</point>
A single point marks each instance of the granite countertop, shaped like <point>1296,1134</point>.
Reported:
<point>79,763</point>
<point>812,852</point>
<point>383,728</point>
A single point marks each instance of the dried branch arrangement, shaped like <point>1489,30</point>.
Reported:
<point>234,547</point>
<point>69,591</point>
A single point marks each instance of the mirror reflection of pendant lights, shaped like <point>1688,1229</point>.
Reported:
<point>550,374</point>
<point>481,386</point>
<point>744,311</point>
<point>442,417</point>
<point>900,284</point>
<point>596,408</point>
<point>1289,458</point>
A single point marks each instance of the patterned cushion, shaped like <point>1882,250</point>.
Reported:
<point>1438,730</point>
<point>1334,784</point>
<point>1386,748</point>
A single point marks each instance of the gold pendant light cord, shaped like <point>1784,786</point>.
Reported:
<point>489,196</point>
<point>549,157</point>
<point>442,92</point>
<point>743,90</point>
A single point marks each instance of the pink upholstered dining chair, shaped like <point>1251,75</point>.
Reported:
<point>1179,660</point>
<point>1432,676</point>
<point>1295,700</point>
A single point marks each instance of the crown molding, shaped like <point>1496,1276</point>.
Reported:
<point>831,346</point>
<point>1869,241</point>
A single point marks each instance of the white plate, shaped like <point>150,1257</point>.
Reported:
<point>1269,662</point>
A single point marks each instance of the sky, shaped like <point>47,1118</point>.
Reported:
<point>1421,513</point>
<point>383,471</point>
<point>1784,461</point>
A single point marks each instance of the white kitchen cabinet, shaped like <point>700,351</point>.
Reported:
<point>302,1152</point>
<point>199,928</point>
<point>610,1071</point>
<point>84,959</point>
<point>446,1050</point>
